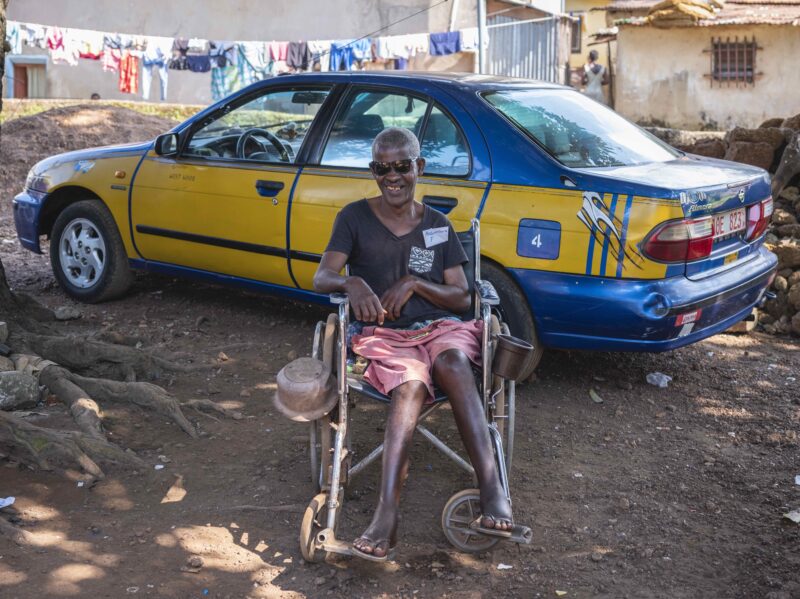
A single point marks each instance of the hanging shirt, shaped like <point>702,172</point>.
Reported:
<point>63,46</point>
<point>14,37</point>
<point>223,54</point>
<point>224,81</point>
<point>469,39</point>
<point>90,43</point>
<point>320,54</point>
<point>362,49</point>
<point>253,62</point>
<point>442,44</point>
<point>112,52</point>
<point>180,46</point>
<point>157,51</point>
<point>36,36</point>
<point>298,56</point>
<point>128,73</point>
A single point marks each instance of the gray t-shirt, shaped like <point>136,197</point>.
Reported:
<point>381,258</point>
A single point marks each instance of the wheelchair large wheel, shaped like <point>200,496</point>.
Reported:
<point>459,511</point>
<point>314,521</point>
<point>319,432</point>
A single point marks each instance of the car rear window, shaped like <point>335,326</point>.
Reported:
<point>577,131</point>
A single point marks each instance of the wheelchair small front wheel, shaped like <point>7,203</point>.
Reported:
<point>315,520</point>
<point>459,512</point>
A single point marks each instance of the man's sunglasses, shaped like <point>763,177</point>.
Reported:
<point>401,167</point>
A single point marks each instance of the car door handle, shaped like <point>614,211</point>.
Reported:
<point>268,189</point>
<point>442,203</point>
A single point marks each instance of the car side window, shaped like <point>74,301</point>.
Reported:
<point>443,146</point>
<point>367,114</point>
<point>270,128</point>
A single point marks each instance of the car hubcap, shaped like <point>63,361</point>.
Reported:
<point>82,252</point>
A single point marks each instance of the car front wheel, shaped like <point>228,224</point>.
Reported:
<point>514,311</point>
<point>87,254</point>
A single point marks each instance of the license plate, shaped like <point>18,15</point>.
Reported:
<point>728,223</point>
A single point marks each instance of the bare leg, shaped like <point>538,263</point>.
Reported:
<point>452,373</point>
<point>407,400</point>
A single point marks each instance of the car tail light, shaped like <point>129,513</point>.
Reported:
<point>758,217</point>
<point>680,241</point>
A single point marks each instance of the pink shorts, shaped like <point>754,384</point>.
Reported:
<point>397,356</point>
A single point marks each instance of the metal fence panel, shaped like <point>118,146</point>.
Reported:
<point>528,50</point>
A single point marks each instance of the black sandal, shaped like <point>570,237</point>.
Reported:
<point>389,556</point>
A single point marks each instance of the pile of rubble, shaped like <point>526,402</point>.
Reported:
<point>774,146</point>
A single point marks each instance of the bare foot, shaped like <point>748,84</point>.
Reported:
<point>381,534</point>
<point>496,510</point>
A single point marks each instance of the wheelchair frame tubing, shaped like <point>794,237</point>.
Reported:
<point>341,428</point>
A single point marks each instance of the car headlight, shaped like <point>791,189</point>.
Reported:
<point>36,182</point>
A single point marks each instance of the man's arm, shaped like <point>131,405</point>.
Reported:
<point>452,295</point>
<point>366,305</point>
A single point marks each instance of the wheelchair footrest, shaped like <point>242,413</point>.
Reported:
<point>521,534</point>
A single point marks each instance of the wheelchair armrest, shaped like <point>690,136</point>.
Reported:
<point>338,298</point>
<point>487,293</point>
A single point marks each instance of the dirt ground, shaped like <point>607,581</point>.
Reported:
<point>675,492</point>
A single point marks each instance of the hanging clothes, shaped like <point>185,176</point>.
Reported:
<point>320,55</point>
<point>362,51</point>
<point>62,45</point>
<point>253,62</point>
<point>90,44</point>
<point>36,36</point>
<point>112,52</point>
<point>341,55</point>
<point>469,39</point>
<point>224,69</point>
<point>400,64</point>
<point>180,46</point>
<point>129,73</point>
<point>14,36</point>
<point>278,52</point>
<point>156,58</point>
<point>298,56</point>
<point>197,56</point>
<point>442,44</point>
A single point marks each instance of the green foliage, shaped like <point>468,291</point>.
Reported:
<point>13,109</point>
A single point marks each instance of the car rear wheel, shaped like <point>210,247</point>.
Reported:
<point>87,254</point>
<point>515,312</point>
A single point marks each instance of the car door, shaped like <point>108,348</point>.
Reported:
<point>221,204</point>
<point>453,181</point>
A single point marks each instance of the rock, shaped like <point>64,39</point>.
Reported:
<point>788,166</point>
<point>6,364</point>
<point>790,194</point>
<point>780,284</point>
<point>292,355</point>
<point>773,122</point>
<point>712,148</point>
<point>793,297</point>
<point>771,239</point>
<point>785,273</point>
<point>788,252</point>
<point>765,319</point>
<point>759,154</point>
<point>793,122</point>
<point>624,504</point>
<point>793,278</point>
<point>682,139</point>
<point>783,217</point>
<point>772,136</point>
<point>67,313</point>
<point>788,231</point>
<point>796,324</point>
<point>18,390</point>
<point>3,332</point>
<point>597,556</point>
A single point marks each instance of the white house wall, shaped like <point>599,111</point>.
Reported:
<point>662,77</point>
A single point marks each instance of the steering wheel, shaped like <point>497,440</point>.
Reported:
<point>285,153</point>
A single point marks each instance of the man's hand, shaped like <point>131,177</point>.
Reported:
<point>365,304</point>
<point>397,295</point>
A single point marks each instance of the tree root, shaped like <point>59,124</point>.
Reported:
<point>17,535</point>
<point>205,405</point>
<point>50,450</point>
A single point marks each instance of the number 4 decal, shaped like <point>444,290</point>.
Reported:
<point>537,241</point>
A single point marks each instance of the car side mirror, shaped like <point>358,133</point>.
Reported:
<point>167,144</point>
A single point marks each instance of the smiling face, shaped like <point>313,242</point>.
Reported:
<point>396,188</point>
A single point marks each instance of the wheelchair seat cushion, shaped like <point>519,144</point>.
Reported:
<point>397,356</point>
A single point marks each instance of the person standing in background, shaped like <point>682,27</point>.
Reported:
<point>595,77</point>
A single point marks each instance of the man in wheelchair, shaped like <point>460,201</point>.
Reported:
<point>406,285</point>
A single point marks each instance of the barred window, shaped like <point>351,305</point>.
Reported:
<point>577,33</point>
<point>733,61</point>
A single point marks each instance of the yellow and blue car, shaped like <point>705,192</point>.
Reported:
<point>595,234</point>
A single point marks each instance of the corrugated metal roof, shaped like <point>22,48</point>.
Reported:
<point>734,12</point>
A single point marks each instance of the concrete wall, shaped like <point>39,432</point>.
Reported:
<point>239,20</point>
<point>661,77</point>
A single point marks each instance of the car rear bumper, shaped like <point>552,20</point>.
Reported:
<point>26,207</point>
<point>596,313</point>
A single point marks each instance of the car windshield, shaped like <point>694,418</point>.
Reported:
<point>578,131</point>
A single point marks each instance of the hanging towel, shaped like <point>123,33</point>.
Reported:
<point>128,73</point>
<point>90,43</point>
<point>442,44</point>
<point>469,39</point>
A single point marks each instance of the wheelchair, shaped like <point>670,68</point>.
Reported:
<point>331,453</point>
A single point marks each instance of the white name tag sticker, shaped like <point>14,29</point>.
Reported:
<point>435,236</point>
